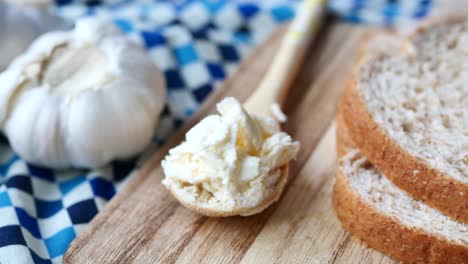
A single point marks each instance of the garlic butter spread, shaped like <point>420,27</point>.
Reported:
<point>228,161</point>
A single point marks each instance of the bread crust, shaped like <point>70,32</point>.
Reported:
<point>406,171</point>
<point>389,236</point>
<point>274,196</point>
<point>344,144</point>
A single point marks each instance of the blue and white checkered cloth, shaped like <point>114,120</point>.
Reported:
<point>197,44</point>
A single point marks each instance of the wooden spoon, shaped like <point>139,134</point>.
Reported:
<point>271,94</point>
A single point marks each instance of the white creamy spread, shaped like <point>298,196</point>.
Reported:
<point>229,161</point>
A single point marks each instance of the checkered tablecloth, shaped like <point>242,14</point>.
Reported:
<point>197,44</point>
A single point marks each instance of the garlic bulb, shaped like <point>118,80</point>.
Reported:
<point>17,33</point>
<point>81,98</point>
<point>21,23</point>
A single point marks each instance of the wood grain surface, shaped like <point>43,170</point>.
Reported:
<point>144,224</point>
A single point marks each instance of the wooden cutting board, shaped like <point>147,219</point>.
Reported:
<point>144,224</point>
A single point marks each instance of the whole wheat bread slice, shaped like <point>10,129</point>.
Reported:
<point>408,114</point>
<point>389,220</point>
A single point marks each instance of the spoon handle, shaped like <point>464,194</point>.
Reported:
<point>268,98</point>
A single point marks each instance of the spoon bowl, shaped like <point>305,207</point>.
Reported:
<point>274,195</point>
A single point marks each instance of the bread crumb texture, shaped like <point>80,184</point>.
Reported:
<point>421,101</point>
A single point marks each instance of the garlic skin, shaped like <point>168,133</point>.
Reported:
<point>81,98</point>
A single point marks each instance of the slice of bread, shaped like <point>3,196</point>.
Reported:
<point>408,114</point>
<point>387,219</point>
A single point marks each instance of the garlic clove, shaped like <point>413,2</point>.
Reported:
<point>116,113</point>
<point>33,128</point>
<point>9,83</point>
